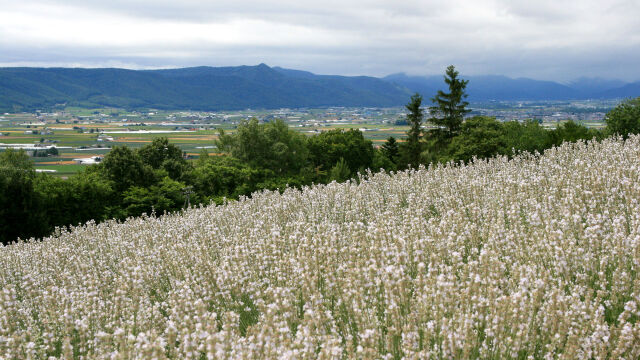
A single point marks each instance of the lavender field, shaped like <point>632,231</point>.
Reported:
<point>531,258</point>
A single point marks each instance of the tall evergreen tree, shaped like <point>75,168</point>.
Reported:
<point>449,108</point>
<point>390,149</point>
<point>414,134</point>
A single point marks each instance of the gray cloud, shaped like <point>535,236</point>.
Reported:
<point>548,39</point>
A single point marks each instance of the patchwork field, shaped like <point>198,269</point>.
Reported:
<point>84,139</point>
<point>532,258</point>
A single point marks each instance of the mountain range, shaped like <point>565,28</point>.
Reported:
<point>261,86</point>
<point>497,87</point>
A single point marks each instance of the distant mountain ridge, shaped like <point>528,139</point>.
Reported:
<point>261,86</point>
<point>196,88</point>
<point>498,87</point>
<point>631,90</point>
<point>595,86</point>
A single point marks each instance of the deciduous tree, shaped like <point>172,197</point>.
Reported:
<point>125,168</point>
<point>20,212</point>
<point>327,148</point>
<point>624,119</point>
<point>272,145</point>
<point>159,151</point>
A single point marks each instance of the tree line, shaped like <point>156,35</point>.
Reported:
<point>156,177</point>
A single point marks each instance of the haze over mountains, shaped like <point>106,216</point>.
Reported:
<point>261,86</point>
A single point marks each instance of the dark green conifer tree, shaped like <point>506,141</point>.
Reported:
<point>415,116</point>
<point>449,108</point>
<point>390,149</point>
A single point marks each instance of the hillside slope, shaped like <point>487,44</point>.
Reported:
<point>200,88</point>
<point>492,87</point>
<point>534,257</point>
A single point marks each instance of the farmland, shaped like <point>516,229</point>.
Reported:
<point>79,133</point>
<point>534,257</point>
<point>83,133</point>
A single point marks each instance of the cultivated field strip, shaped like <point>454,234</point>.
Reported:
<point>535,257</point>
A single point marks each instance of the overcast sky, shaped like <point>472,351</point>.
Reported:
<point>542,39</point>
